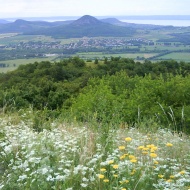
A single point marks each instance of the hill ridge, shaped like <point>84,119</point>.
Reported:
<point>86,19</point>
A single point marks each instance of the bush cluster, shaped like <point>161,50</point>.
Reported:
<point>118,90</point>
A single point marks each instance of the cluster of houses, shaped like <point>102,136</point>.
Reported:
<point>81,43</point>
<point>107,42</point>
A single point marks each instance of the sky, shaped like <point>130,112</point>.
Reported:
<point>47,8</point>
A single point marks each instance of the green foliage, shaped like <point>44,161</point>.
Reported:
<point>43,84</point>
<point>120,90</point>
<point>120,98</point>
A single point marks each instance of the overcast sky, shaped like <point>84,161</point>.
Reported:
<point>41,8</point>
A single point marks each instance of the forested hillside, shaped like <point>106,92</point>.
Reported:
<point>117,90</point>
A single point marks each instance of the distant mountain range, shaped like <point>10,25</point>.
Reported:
<point>22,26</point>
<point>117,22</point>
<point>3,21</point>
<point>85,26</point>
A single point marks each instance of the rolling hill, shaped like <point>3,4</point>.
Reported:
<point>22,26</point>
<point>85,26</point>
<point>2,21</point>
<point>117,22</point>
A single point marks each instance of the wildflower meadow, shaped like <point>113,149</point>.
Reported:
<point>74,156</point>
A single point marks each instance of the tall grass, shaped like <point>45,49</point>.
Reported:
<point>74,157</point>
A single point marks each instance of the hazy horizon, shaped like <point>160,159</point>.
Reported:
<point>123,17</point>
<point>106,8</point>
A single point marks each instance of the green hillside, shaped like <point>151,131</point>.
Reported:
<point>131,91</point>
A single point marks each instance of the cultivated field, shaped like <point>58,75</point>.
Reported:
<point>154,45</point>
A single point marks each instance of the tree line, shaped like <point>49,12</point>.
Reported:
<point>118,89</point>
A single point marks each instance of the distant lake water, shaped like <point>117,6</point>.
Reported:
<point>160,22</point>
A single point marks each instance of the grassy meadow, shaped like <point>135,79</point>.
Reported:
<point>93,55</point>
<point>13,38</point>
<point>14,64</point>
<point>177,56</point>
<point>76,156</point>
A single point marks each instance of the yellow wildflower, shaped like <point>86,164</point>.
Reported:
<point>169,144</point>
<point>155,162</point>
<point>153,155</point>
<point>115,175</point>
<point>122,157</point>
<point>103,169</point>
<point>128,139</point>
<point>106,180</point>
<point>150,145</point>
<point>125,181</point>
<point>182,172</point>
<point>121,147</point>
<point>145,148</point>
<point>172,177</point>
<point>154,148</point>
<point>115,166</point>
<point>133,172</point>
<point>132,157</point>
<point>110,161</point>
<point>160,176</point>
<point>133,160</point>
<point>101,176</point>
<point>140,147</point>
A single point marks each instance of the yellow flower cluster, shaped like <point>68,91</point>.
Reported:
<point>123,168</point>
<point>132,158</point>
<point>149,149</point>
<point>125,181</point>
<point>167,180</point>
